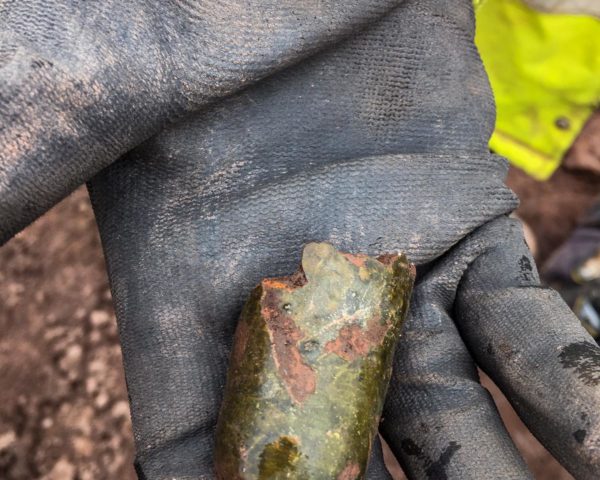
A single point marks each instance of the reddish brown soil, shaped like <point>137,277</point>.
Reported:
<point>63,407</point>
<point>552,208</point>
<point>63,404</point>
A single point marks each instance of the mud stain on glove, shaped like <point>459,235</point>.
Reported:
<point>434,470</point>
<point>584,358</point>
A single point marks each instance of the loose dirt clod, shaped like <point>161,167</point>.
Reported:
<point>310,368</point>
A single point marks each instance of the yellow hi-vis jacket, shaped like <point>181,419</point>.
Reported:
<point>544,69</point>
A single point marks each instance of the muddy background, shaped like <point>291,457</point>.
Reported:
<point>63,405</point>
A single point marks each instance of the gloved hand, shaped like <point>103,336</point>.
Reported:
<point>362,123</point>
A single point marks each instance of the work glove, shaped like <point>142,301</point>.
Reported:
<point>246,130</point>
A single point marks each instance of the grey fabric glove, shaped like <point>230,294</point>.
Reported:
<point>363,123</point>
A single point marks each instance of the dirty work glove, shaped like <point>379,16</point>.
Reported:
<point>360,123</point>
